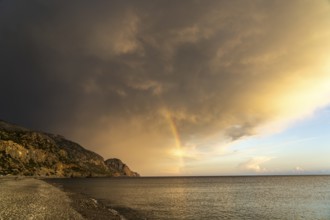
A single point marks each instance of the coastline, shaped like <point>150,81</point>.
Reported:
<point>94,208</point>
<point>32,198</point>
<point>37,198</point>
<point>88,207</point>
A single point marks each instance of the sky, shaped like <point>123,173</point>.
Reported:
<point>198,87</point>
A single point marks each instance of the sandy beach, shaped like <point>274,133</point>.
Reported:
<point>30,198</point>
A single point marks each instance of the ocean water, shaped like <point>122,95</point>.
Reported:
<point>253,197</point>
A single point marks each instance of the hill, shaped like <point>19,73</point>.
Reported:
<point>31,153</point>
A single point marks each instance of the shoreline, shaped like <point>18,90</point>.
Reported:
<point>31,198</point>
<point>94,208</point>
<point>37,198</point>
<point>89,208</point>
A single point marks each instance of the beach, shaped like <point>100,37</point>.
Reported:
<point>33,198</point>
<point>195,198</point>
<point>166,198</point>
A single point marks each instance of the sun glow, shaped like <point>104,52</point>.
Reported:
<point>178,152</point>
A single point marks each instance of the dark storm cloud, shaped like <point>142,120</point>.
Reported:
<point>113,70</point>
<point>63,58</point>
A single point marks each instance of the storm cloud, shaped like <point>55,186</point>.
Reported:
<point>117,75</point>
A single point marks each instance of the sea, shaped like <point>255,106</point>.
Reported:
<point>237,197</point>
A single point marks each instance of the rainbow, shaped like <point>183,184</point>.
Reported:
<point>178,151</point>
<point>174,129</point>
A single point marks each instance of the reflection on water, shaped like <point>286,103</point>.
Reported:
<point>279,197</point>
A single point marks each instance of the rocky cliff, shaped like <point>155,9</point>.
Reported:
<point>31,153</point>
<point>118,168</point>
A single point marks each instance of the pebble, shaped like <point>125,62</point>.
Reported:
<point>33,199</point>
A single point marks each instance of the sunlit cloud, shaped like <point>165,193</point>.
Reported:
<point>255,164</point>
<point>162,90</point>
<point>298,169</point>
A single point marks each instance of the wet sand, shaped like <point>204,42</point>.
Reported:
<point>30,198</point>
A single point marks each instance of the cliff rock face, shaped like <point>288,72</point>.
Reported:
<point>118,168</point>
<point>30,153</point>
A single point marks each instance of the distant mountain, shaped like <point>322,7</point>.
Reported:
<point>31,153</point>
